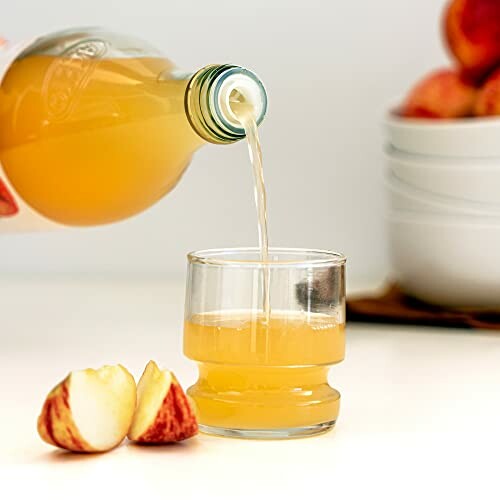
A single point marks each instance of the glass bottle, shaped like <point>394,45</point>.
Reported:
<point>96,126</point>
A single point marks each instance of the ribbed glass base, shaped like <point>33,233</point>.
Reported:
<point>291,433</point>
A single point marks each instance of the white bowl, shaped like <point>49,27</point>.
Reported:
<point>468,137</point>
<point>470,180</point>
<point>406,198</point>
<point>449,261</point>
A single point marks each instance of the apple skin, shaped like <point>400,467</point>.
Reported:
<point>488,100</point>
<point>8,206</point>
<point>56,425</point>
<point>442,94</point>
<point>6,209</point>
<point>471,30</point>
<point>163,414</point>
<point>175,420</point>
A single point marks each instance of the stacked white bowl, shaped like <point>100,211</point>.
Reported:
<point>443,184</point>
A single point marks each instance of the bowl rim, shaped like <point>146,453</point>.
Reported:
<point>476,221</point>
<point>469,123</point>
<point>422,160</point>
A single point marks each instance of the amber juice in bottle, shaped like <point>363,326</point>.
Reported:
<point>96,126</point>
<point>99,140</point>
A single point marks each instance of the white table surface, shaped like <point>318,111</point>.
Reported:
<point>420,413</point>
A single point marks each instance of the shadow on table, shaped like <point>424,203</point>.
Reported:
<point>181,447</point>
<point>61,456</point>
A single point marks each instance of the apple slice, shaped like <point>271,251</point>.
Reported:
<point>164,413</point>
<point>90,410</point>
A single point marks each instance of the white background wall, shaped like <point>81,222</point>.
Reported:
<point>330,68</point>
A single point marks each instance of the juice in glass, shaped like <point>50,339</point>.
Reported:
<point>264,375</point>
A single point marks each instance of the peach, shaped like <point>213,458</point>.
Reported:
<point>472,30</point>
<point>443,93</point>
<point>488,99</point>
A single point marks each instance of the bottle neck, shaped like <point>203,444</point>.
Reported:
<point>208,101</point>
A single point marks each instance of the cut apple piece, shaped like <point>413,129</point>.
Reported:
<point>90,410</point>
<point>164,413</point>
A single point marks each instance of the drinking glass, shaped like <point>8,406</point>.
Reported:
<point>264,374</point>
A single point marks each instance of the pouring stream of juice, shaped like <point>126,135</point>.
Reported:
<point>245,113</point>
